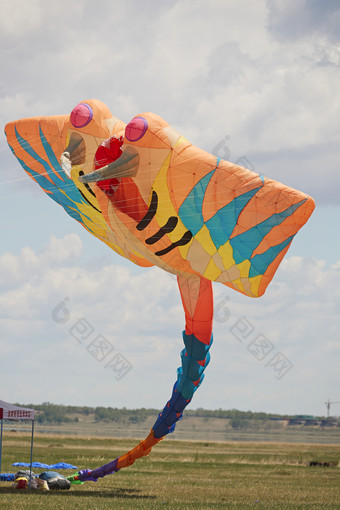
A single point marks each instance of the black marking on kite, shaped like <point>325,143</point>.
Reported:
<point>94,207</point>
<point>166,229</point>
<point>185,239</point>
<point>144,222</point>
<point>92,193</point>
<point>86,185</point>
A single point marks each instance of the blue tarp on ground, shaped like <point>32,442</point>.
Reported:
<point>60,465</point>
<point>7,477</point>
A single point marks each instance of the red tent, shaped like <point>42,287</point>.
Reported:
<point>11,412</point>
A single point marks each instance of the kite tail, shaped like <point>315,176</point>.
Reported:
<point>195,358</point>
<point>141,450</point>
<point>197,302</point>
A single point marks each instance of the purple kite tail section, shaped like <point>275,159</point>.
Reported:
<point>88,475</point>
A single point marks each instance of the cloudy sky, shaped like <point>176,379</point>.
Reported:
<point>253,80</point>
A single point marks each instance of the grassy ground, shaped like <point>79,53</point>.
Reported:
<point>181,475</point>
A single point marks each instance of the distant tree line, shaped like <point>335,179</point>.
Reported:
<point>54,413</point>
<point>234,414</point>
<point>109,414</point>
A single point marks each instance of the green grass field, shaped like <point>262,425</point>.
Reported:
<point>181,475</point>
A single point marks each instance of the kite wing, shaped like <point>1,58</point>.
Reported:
<point>38,144</point>
<point>202,215</point>
<point>242,223</point>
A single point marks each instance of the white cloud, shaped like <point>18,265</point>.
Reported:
<point>210,70</point>
<point>140,316</point>
<point>297,20</point>
<point>18,18</point>
<point>263,73</point>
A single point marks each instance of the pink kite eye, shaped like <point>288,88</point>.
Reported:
<point>136,129</point>
<point>81,115</point>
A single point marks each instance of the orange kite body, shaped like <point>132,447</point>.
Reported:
<point>156,199</point>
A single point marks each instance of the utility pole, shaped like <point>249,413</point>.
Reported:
<point>328,405</point>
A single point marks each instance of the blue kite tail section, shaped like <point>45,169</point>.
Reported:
<point>171,413</point>
<point>195,358</point>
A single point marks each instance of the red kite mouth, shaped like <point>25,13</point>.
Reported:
<point>109,186</point>
<point>125,166</point>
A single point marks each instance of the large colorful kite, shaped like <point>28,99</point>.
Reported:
<point>155,199</point>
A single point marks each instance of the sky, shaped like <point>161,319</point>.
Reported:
<point>253,82</point>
